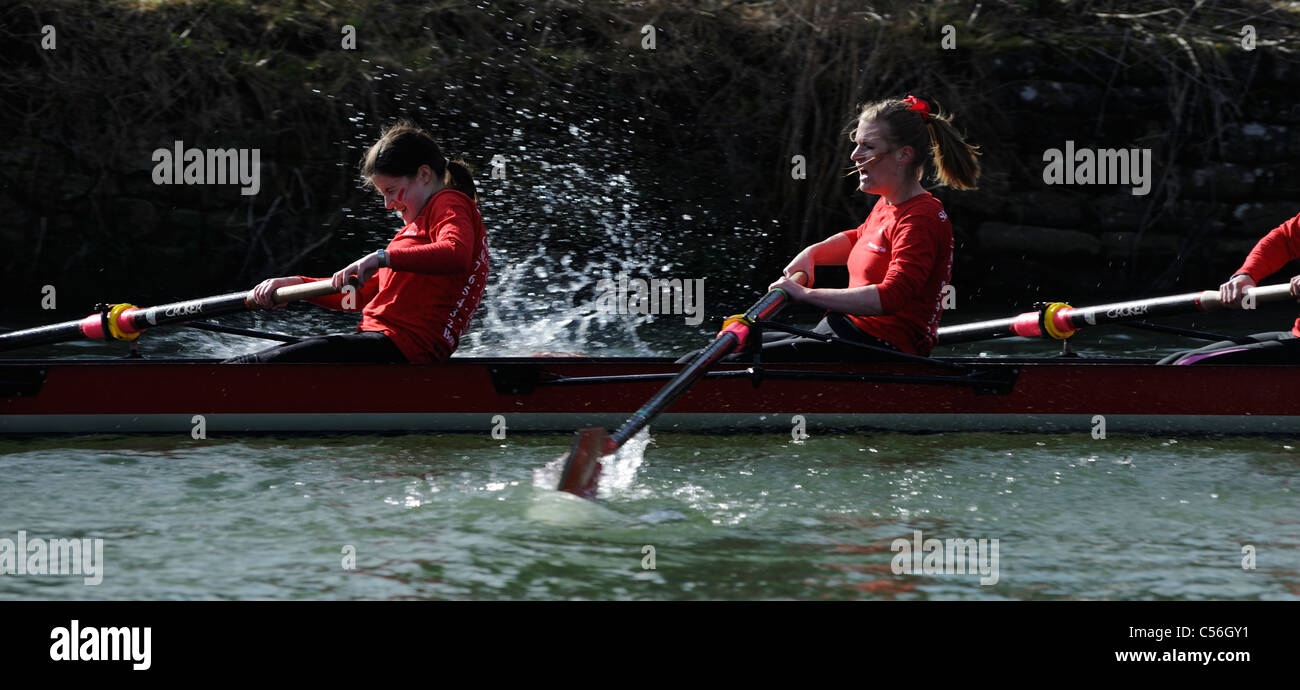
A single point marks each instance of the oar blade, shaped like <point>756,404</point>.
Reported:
<point>582,467</point>
<point>582,462</point>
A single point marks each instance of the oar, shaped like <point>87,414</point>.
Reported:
<point>126,322</point>
<point>1060,321</point>
<point>582,463</point>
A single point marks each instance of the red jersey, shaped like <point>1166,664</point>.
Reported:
<point>906,252</point>
<point>438,268</point>
<point>1278,248</point>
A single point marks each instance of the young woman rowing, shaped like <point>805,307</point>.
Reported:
<point>419,292</point>
<point>900,258</point>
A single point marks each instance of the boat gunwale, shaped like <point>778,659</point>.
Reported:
<point>462,361</point>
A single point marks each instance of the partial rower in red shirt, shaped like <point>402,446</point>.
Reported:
<point>900,258</point>
<point>419,293</point>
<point>1278,248</point>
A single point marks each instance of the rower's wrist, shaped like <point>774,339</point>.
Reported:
<point>382,255</point>
<point>1237,275</point>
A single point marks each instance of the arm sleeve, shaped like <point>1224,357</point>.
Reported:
<point>1279,247</point>
<point>852,234</point>
<point>910,263</point>
<point>450,252</point>
<point>335,301</point>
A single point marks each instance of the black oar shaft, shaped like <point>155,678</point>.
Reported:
<point>720,348</point>
<point>134,320</point>
<point>1055,321</point>
<point>723,345</point>
<point>42,335</point>
<point>180,312</point>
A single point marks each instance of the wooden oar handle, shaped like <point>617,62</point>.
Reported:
<point>1266,293</point>
<point>301,291</point>
<point>800,277</point>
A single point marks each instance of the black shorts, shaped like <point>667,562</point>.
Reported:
<point>1278,347</point>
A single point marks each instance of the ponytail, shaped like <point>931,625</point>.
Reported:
<point>460,177</point>
<point>956,163</point>
<point>909,122</point>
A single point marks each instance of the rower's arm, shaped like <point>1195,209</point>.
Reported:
<point>1278,248</point>
<point>452,250</point>
<point>912,258</point>
<point>859,301</point>
<point>832,251</point>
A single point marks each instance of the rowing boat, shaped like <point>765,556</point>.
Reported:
<point>555,394</point>
<point>559,394</point>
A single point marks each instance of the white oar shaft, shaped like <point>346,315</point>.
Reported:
<point>1060,321</point>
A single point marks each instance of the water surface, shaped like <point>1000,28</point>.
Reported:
<point>728,517</point>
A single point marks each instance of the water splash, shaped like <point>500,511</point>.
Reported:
<point>618,471</point>
<point>556,191</point>
<point>579,223</point>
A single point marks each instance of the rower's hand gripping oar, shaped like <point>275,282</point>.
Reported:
<point>126,322</point>
<point>582,463</point>
<point>1059,321</point>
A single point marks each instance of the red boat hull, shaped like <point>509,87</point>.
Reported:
<point>478,394</point>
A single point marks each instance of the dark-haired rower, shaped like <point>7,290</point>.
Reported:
<point>418,293</point>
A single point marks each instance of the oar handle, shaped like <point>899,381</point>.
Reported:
<point>301,291</point>
<point>774,300</point>
<point>1267,293</point>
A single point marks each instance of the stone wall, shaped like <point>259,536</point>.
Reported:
<point>729,94</point>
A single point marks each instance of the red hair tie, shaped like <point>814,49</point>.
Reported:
<point>920,106</point>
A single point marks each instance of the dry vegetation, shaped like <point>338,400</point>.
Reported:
<point>732,86</point>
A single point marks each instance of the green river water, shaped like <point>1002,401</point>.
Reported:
<point>727,516</point>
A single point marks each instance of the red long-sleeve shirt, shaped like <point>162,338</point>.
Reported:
<point>1278,248</point>
<point>438,268</point>
<point>906,252</point>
